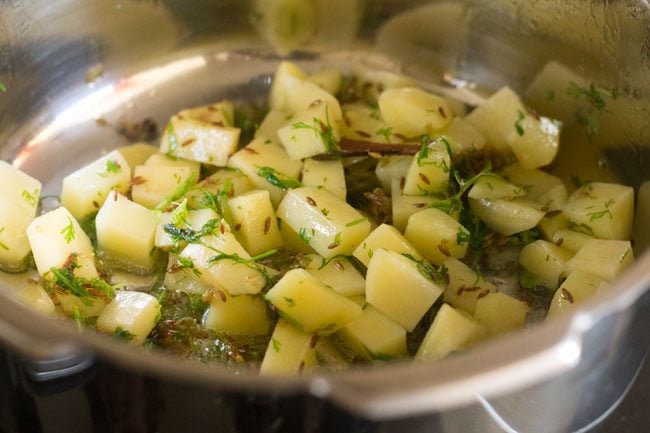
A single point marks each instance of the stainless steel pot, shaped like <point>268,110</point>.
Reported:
<point>68,63</point>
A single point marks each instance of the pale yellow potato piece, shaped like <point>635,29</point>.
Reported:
<point>602,210</point>
<point>19,188</point>
<point>14,245</point>
<point>390,168</point>
<point>312,131</point>
<point>329,356</point>
<point>183,279</point>
<point>491,186</point>
<point>315,308</point>
<point>578,287</point>
<point>535,141</point>
<point>54,237</point>
<point>219,114</point>
<point>126,232</point>
<point>326,174</point>
<point>158,183</point>
<point>465,286</point>
<point>507,217</point>
<point>388,238</point>
<point>85,190</point>
<point>546,261</point>
<point>374,336</point>
<point>231,181</point>
<point>254,222</point>
<point>274,120</point>
<point>183,218</point>
<point>329,79</point>
<point>403,293</point>
<point>540,186</point>
<point>290,351</point>
<point>413,112</point>
<point>35,297</point>
<point>133,312</point>
<point>606,259</point>
<point>429,170</point>
<point>339,274</point>
<point>501,313</point>
<point>550,225</point>
<point>237,315</point>
<point>160,159</point>
<point>496,118</point>
<point>262,152</point>
<point>286,76</point>
<point>329,224</point>
<point>137,153</point>
<point>452,330</point>
<point>437,235</point>
<point>463,137</point>
<point>364,123</point>
<point>571,240</point>
<point>72,305</point>
<point>292,240</point>
<point>403,206</point>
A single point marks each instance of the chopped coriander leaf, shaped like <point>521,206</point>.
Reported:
<point>68,232</point>
<point>111,167</point>
<point>520,117</point>
<point>123,334</point>
<point>355,222</point>
<point>581,228</point>
<point>278,179</point>
<point>84,289</point>
<point>180,192</point>
<point>187,263</point>
<point>30,198</point>
<point>3,245</point>
<point>323,130</point>
<point>429,272</point>
<point>290,302</point>
<point>190,236</point>
<point>462,237</point>
<point>386,133</point>
<point>593,216</point>
<point>79,318</point>
<point>3,88</point>
<point>180,214</point>
<point>276,345</point>
<point>173,140</point>
<point>250,263</point>
<point>304,236</point>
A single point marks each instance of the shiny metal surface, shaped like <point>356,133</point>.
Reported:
<point>156,56</point>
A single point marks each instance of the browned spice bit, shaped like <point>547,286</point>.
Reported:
<point>399,136</point>
<point>402,182</point>
<point>250,150</point>
<point>338,265</point>
<point>222,295</point>
<point>553,213</point>
<point>32,281</point>
<point>567,295</point>
<point>138,180</point>
<point>332,245</point>
<point>374,155</point>
<point>313,341</point>
<point>443,247</point>
<point>174,268</point>
<point>213,108</point>
<point>311,201</point>
<point>347,121</point>
<point>101,121</point>
<point>363,134</point>
<point>267,225</point>
<point>115,197</point>
<point>95,204</point>
<point>544,209</point>
<point>442,112</point>
<point>462,289</point>
<point>222,228</point>
<point>559,242</point>
<point>218,123</point>
<point>379,205</point>
<point>419,205</point>
<point>207,296</point>
<point>301,368</point>
<point>424,178</point>
<point>316,103</point>
<point>238,226</point>
<point>188,142</point>
<point>483,294</point>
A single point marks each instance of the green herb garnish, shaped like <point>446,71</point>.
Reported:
<point>172,139</point>
<point>180,192</point>
<point>30,198</point>
<point>68,232</point>
<point>323,130</point>
<point>278,179</point>
<point>358,221</point>
<point>520,117</point>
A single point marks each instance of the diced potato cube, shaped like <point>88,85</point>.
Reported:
<point>501,313</point>
<point>292,240</point>
<point>232,182</point>
<point>463,137</point>
<point>403,294</point>
<point>413,112</point>
<point>329,356</point>
<point>219,114</point>
<point>254,221</point>
<point>364,123</point>
<point>602,210</point>
<point>160,159</point>
<point>217,270</point>
<point>199,141</point>
<point>534,140</point>
<point>550,225</point>
<point>403,206</point>
<point>465,285</point>
<point>155,184</point>
<point>546,261</point>
<point>73,305</point>
<point>390,168</point>
<point>339,274</point>
<point>137,153</point>
<point>262,153</point>
<point>85,190</point>
<point>132,312</point>
<point>429,170</point>
<point>237,315</point>
<point>268,129</point>
<point>329,79</point>
<point>327,174</point>
<point>286,76</point>
<point>181,278</point>
<point>451,330</point>
<point>183,218</point>
<point>126,232</point>
<point>56,236</point>
<point>578,287</point>
<point>290,351</point>
<point>606,259</point>
<point>388,238</point>
<point>570,240</point>
<point>311,132</point>
<point>507,216</point>
<point>437,235</point>
<point>374,336</point>
<point>329,224</point>
<point>14,245</point>
<point>20,189</point>
<point>540,186</point>
<point>35,297</point>
<point>491,186</point>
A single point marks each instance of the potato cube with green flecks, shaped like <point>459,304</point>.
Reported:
<point>465,285</point>
<point>290,351</point>
<point>602,210</point>
<point>138,153</point>
<point>14,245</point>
<point>55,237</point>
<point>403,206</point>
<point>203,221</point>
<point>338,273</point>
<point>390,168</point>
<point>35,297</point>
<point>491,186</point>
<point>237,315</point>
<point>85,190</point>
<point>413,112</point>
<point>551,224</point>
<point>154,185</point>
<point>327,174</point>
<point>226,181</point>
<point>570,240</point>
<point>544,188</point>
<point>403,294</point>
<point>606,259</point>
<point>311,132</point>
<point>429,170</point>
<point>160,159</point>
<point>19,189</point>
<point>268,167</point>
<point>183,278</point>
<point>507,217</point>
<point>302,299</point>
<point>364,123</point>
<point>133,314</point>
<point>578,287</point>
<point>218,114</point>
<point>254,221</point>
<point>463,137</point>
<point>374,336</point>
<point>451,330</point>
<point>546,261</point>
<point>535,140</point>
<point>501,313</point>
<point>126,233</point>
<point>292,240</point>
<point>437,235</point>
<point>328,224</point>
<point>388,238</point>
